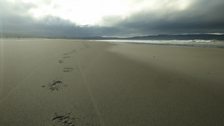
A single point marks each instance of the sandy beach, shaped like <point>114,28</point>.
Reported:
<point>58,82</point>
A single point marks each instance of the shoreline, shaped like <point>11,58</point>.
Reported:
<point>111,83</point>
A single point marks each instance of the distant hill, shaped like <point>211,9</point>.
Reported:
<point>181,37</point>
<point>148,37</point>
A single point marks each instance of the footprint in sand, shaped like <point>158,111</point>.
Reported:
<point>68,69</point>
<point>69,119</point>
<point>66,119</point>
<point>60,61</point>
<point>55,85</point>
<point>65,56</point>
<point>70,52</point>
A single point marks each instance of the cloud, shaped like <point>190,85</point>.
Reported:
<point>15,20</point>
<point>202,16</point>
<point>142,17</point>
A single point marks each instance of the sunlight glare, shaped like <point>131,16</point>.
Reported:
<point>93,12</point>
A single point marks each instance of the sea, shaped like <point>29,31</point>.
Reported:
<point>194,43</point>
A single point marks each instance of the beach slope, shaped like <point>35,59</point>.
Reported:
<point>61,82</point>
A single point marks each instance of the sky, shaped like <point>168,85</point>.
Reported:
<point>86,18</point>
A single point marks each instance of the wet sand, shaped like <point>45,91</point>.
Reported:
<point>56,82</point>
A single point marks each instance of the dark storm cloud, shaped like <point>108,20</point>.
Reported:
<point>204,16</point>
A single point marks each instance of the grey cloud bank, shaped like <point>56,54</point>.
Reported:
<point>203,16</point>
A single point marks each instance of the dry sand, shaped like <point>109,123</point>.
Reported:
<point>47,82</point>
